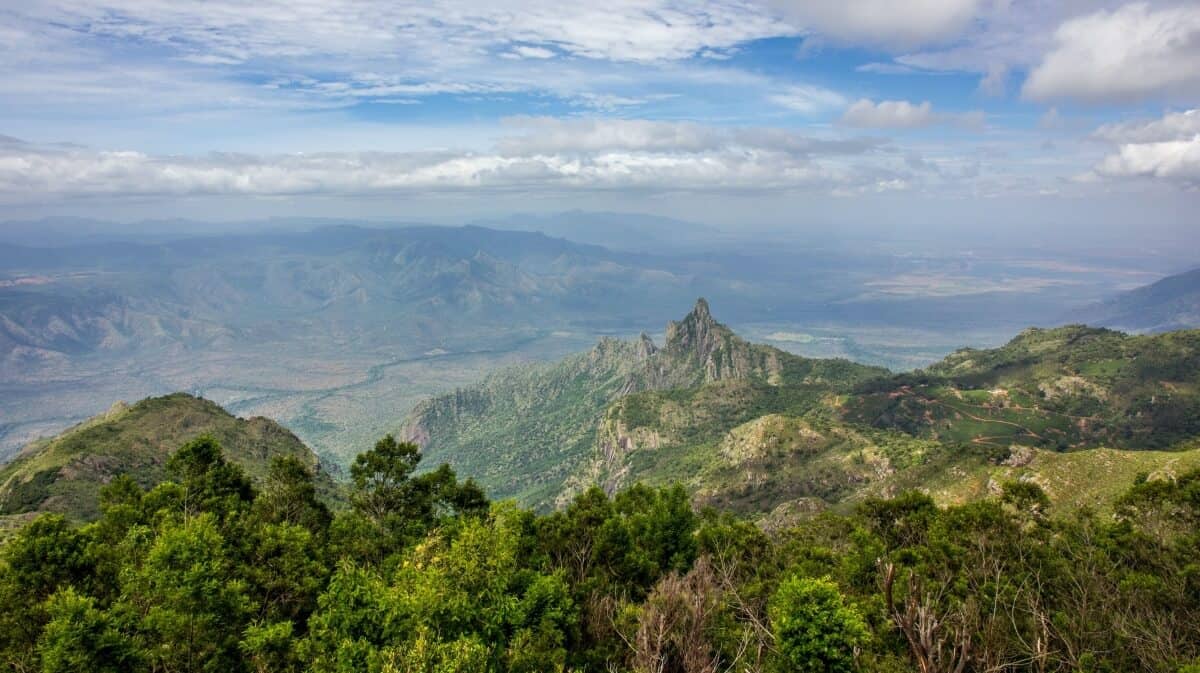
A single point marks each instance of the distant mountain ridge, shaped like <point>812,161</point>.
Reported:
<point>343,283</point>
<point>1172,303</point>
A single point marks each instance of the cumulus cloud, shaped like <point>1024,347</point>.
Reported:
<point>1172,126</point>
<point>888,114</point>
<point>543,154</point>
<point>901,114</point>
<point>882,23</point>
<point>1132,53</point>
<point>1165,149</point>
<point>1176,160</point>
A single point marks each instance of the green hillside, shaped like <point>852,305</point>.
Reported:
<point>759,431</point>
<point>1061,389</point>
<point>526,431</point>
<point>64,474</point>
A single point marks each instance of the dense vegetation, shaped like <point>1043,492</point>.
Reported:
<point>63,474</point>
<point>1061,388</point>
<point>207,572</point>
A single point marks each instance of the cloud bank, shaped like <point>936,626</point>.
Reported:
<point>543,154</point>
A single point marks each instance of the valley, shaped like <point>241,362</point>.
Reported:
<point>338,331</point>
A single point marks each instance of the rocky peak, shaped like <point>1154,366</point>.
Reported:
<point>701,344</point>
<point>645,347</point>
<point>698,332</point>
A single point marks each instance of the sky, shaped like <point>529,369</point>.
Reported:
<point>981,114</point>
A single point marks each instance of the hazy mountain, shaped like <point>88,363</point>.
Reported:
<point>64,473</point>
<point>337,330</point>
<point>345,283</point>
<point>618,231</point>
<point>1169,304</point>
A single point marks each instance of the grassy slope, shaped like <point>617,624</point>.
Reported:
<point>777,465</point>
<point>64,474</point>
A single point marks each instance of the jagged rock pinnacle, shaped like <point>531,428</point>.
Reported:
<point>695,332</point>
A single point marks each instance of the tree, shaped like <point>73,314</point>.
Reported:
<point>381,478</point>
<point>815,631</point>
<point>46,555</point>
<point>190,601</point>
<point>290,496</point>
<point>404,506</point>
<point>80,637</point>
<point>210,482</point>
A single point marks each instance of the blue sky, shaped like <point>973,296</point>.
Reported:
<point>810,110</point>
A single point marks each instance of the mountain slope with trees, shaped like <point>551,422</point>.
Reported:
<point>64,474</point>
<point>758,430</point>
<point>207,572</point>
<point>525,430</point>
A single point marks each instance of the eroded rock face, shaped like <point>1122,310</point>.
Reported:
<point>1072,386</point>
<point>766,436</point>
<point>714,350</point>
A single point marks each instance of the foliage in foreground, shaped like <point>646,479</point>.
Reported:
<point>206,573</point>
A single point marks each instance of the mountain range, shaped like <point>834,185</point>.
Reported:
<point>337,330</point>
<point>759,430</point>
<point>745,427</point>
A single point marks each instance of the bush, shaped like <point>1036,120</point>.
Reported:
<point>815,630</point>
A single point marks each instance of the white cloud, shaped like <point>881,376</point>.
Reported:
<point>106,61</point>
<point>527,51</point>
<point>1132,53</point>
<point>1166,149</point>
<point>1172,126</point>
<point>882,23</point>
<point>901,114</point>
<point>1176,160</point>
<point>543,154</point>
<point>807,99</point>
<point>452,31</point>
<point>888,114</point>
<point>552,135</point>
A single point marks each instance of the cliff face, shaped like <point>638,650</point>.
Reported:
<point>699,350</point>
<point>549,416</point>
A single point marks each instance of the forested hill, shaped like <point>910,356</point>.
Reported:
<point>763,432</point>
<point>524,431</point>
<point>64,474</point>
<point>208,572</point>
